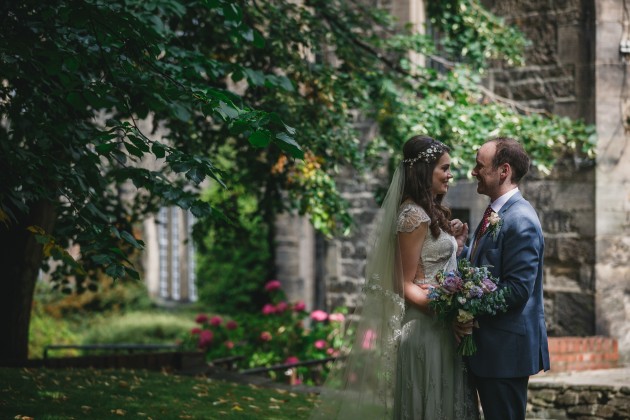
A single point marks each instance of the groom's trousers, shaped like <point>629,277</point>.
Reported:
<point>503,398</point>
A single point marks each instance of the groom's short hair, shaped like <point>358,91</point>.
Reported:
<point>510,151</point>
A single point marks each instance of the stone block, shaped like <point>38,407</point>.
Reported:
<point>590,397</point>
<point>581,409</point>
<point>574,314</point>
<point>607,43</point>
<point>570,45</point>
<point>604,411</point>
<point>353,268</point>
<point>561,88</point>
<point>547,395</point>
<point>568,398</point>
<point>621,404</point>
<point>529,90</point>
<point>608,11</point>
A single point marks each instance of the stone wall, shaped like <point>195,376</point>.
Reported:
<point>558,74</point>
<point>613,174</point>
<point>575,68</point>
<point>581,402</point>
<point>559,77</point>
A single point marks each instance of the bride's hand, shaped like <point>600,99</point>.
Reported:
<point>460,232</point>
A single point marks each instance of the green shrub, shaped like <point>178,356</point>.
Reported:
<point>109,297</point>
<point>46,330</point>
<point>139,327</point>
<point>232,259</point>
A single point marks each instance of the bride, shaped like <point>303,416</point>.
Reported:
<point>403,362</point>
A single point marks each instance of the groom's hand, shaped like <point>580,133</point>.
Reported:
<point>461,329</point>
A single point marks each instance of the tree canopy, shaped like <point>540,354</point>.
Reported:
<point>263,95</point>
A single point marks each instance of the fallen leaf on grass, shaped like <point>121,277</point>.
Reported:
<point>86,408</point>
<point>249,398</point>
<point>219,401</point>
<point>21,417</point>
<point>274,407</point>
<point>237,408</point>
<point>272,399</point>
<point>119,412</point>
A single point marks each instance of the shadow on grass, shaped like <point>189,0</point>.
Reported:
<point>112,394</point>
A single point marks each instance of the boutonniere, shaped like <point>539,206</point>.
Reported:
<point>494,225</point>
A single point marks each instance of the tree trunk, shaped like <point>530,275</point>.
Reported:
<point>20,259</point>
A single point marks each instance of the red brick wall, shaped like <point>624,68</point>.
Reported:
<point>583,353</point>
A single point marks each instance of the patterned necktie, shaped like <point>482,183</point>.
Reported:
<point>485,221</point>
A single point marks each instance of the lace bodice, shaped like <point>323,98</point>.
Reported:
<point>437,253</point>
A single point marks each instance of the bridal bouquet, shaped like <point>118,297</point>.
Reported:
<point>464,294</point>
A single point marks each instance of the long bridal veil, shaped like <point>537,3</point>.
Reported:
<point>361,383</point>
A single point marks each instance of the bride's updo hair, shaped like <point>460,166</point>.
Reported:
<point>420,155</point>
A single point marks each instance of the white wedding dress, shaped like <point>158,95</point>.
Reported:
<point>431,380</point>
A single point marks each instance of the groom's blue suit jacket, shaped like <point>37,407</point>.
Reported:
<point>513,344</point>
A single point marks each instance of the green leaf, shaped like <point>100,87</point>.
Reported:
<point>259,40</point>
<point>196,175</point>
<point>133,149</point>
<point>260,138</point>
<point>105,148</point>
<point>115,271</point>
<point>232,12</point>
<point>289,145</point>
<point>180,112</point>
<point>228,112</point>
<point>133,273</point>
<point>139,143</point>
<point>158,150</point>
<point>128,237</point>
<point>255,77</point>
<point>76,100</point>
<point>101,259</point>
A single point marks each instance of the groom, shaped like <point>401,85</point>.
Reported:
<point>511,346</point>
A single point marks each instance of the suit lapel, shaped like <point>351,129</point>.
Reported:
<point>473,251</point>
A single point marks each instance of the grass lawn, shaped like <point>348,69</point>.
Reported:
<point>113,394</point>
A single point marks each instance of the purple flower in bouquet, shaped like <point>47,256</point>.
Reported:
<point>488,286</point>
<point>452,283</point>
<point>475,292</point>
<point>465,294</point>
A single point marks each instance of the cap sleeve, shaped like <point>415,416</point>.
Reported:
<point>410,217</point>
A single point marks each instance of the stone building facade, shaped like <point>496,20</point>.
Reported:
<point>575,67</point>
